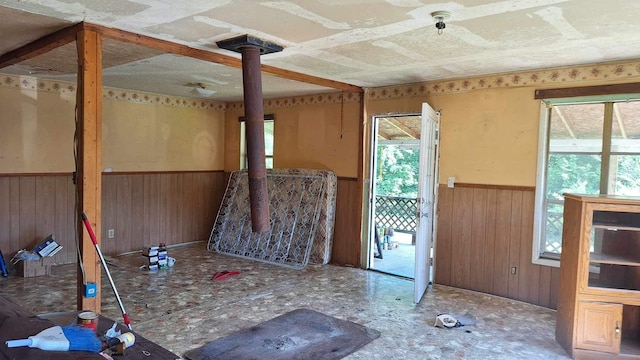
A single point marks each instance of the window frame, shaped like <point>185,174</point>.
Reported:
<point>540,257</point>
<point>244,161</point>
<point>539,218</point>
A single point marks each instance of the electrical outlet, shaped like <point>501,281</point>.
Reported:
<point>111,233</point>
<point>451,181</point>
<point>513,270</point>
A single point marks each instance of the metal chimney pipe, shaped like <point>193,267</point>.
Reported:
<point>254,127</point>
<point>251,48</point>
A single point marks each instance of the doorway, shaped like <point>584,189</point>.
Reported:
<point>402,202</point>
<point>395,170</point>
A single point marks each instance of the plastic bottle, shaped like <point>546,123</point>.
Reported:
<point>122,341</point>
<point>3,266</point>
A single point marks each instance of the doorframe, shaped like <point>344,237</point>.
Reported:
<point>369,183</point>
<point>370,143</point>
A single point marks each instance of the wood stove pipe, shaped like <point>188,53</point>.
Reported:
<point>251,48</point>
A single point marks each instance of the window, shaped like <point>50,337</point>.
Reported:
<point>268,144</point>
<point>586,148</point>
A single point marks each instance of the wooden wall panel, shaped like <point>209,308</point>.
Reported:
<point>124,220</point>
<point>478,239</point>
<point>490,241</point>
<point>35,206</point>
<point>15,241</point>
<point>137,210</point>
<point>70,250</point>
<point>346,236</point>
<point>5,215</point>
<point>529,288</point>
<point>500,274</point>
<point>27,212</point>
<point>109,214</point>
<point>514,246</point>
<point>443,247</point>
<point>461,237</point>
<point>61,215</point>
<point>485,232</point>
<point>151,224</point>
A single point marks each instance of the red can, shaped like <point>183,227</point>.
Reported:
<point>88,319</point>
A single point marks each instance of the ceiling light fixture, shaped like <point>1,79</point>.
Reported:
<point>201,90</point>
<point>439,17</point>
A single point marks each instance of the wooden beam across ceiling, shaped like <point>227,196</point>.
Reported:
<point>41,46</point>
<point>68,34</point>
<point>218,58</point>
<point>402,127</point>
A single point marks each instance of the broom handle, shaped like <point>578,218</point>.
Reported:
<point>92,235</point>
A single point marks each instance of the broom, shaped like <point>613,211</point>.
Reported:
<point>61,338</point>
<point>92,235</point>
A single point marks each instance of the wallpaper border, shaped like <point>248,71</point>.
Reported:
<point>64,88</point>
<point>546,77</point>
<point>619,71</point>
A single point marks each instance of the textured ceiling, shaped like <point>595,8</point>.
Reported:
<point>367,43</point>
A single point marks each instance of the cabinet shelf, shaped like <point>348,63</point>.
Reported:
<point>616,219</point>
<point>613,259</point>
<point>615,228</point>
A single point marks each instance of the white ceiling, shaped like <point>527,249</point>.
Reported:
<point>367,43</point>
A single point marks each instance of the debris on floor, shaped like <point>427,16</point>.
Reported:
<point>221,275</point>
<point>451,321</point>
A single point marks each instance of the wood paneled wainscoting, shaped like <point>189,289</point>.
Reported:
<point>142,208</point>
<point>346,235</point>
<point>168,207</point>
<point>484,243</point>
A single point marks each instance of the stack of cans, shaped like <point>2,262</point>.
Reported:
<point>156,257</point>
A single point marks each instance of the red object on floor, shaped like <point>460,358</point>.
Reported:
<point>221,275</point>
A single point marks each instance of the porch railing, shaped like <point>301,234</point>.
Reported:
<point>399,213</point>
<point>554,232</point>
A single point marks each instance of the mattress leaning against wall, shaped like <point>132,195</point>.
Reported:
<point>297,196</point>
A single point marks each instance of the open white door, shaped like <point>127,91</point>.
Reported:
<point>427,199</point>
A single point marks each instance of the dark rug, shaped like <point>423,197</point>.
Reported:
<point>299,334</point>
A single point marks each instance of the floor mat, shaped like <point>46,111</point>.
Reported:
<point>299,334</point>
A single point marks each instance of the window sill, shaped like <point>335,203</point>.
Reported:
<point>547,261</point>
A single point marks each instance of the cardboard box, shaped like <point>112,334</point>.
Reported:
<point>46,247</point>
<point>32,268</point>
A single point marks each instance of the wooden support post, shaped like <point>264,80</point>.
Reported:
<point>89,161</point>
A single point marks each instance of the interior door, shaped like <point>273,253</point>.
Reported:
<point>427,199</point>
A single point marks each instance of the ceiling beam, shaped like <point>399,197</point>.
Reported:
<point>618,115</point>
<point>40,46</point>
<point>184,50</point>
<point>402,127</point>
<point>564,121</point>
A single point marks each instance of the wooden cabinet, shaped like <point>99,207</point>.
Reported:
<point>598,313</point>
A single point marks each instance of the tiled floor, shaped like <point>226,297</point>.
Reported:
<point>182,308</point>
